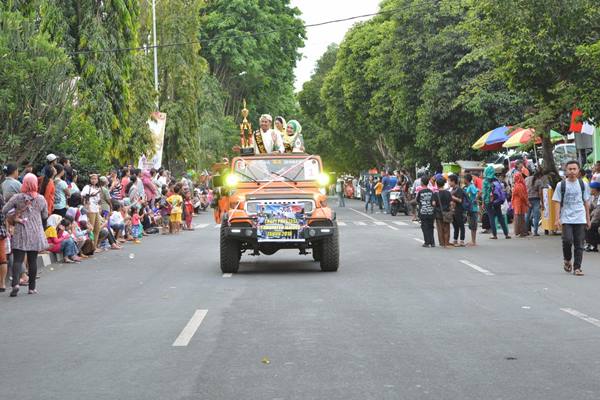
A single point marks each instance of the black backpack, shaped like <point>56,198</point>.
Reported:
<point>563,189</point>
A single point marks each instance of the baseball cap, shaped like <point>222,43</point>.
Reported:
<point>51,157</point>
<point>595,185</point>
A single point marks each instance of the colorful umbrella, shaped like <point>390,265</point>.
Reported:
<point>492,140</point>
<point>524,137</point>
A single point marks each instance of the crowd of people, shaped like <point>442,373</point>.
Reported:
<point>452,206</point>
<point>53,213</point>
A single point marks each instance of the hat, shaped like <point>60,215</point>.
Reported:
<point>51,157</point>
<point>595,185</point>
<point>267,117</point>
<point>104,179</point>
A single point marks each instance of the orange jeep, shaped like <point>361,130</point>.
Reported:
<point>266,203</point>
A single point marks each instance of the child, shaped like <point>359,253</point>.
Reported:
<point>60,241</point>
<point>189,210</point>
<point>165,211</point>
<point>116,220</point>
<point>136,225</point>
<point>176,202</point>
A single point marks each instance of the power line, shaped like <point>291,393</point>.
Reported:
<point>243,35</point>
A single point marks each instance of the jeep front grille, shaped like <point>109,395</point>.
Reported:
<point>252,205</point>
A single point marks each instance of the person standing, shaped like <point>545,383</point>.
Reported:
<point>339,188</point>
<point>571,200</point>
<point>471,195</point>
<point>426,212</point>
<point>11,184</point>
<point>442,202</point>
<point>266,140</point>
<point>458,223</point>
<point>369,194</point>
<point>493,198</point>
<point>28,238</point>
<point>378,190</point>
<point>47,189</point>
<point>389,183</point>
<point>520,204</point>
<point>91,201</point>
<point>3,257</point>
<point>61,192</point>
<point>592,237</point>
<point>535,187</point>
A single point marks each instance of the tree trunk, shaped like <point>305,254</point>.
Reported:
<point>549,165</point>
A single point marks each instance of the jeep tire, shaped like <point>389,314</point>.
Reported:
<point>230,253</point>
<point>330,251</point>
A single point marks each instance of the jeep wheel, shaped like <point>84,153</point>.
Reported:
<point>230,253</point>
<point>330,251</point>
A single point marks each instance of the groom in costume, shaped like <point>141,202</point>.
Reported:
<point>267,140</point>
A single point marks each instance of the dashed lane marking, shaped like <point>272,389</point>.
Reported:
<point>392,227</point>
<point>379,223</point>
<point>227,275</point>
<point>190,329</point>
<point>201,226</point>
<point>341,223</point>
<point>419,240</point>
<point>582,316</point>
<point>217,226</point>
<point>476,267</point>
<point>359,223</point>
<point>401,223</point>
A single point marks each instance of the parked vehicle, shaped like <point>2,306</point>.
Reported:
<point>398,202</point>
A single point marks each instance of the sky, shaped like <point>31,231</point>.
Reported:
<point>318,38</point>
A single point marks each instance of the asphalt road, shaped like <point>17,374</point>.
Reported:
<point>500,321</point>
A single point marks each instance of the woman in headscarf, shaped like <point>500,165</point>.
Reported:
<point>493,206</point>
<point>280,125</point>
<point>28,238</point>
<point>293,141</point>
<point>520,205</point>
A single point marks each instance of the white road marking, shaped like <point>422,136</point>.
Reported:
<point>380,223</point>
<point>392,227</point>
<point>201,226</point>
<point>340,223</point>
<point>228,275</point>
<point>401,223</point>
<point>359,223</point>
<point>476,268</point>
<point>363,214</point>
<point>419,240</point>
<point>217,226</point>
<point>416,222</point>
<point>190,329</point>
<point>582,316</point>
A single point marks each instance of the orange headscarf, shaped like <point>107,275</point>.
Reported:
<point>30,185</point>
<point>520,190</point>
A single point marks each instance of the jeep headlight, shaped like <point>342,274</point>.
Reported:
<point>323,179</point>
<point>232,180</point>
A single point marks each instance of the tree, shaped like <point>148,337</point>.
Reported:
<point>534,47</point>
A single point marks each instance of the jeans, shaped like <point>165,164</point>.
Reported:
<point>370,200</point>
<point>68,248</point>
<point>341,202</point>
<point>573,236</point>
<point>427,228</point>
<point>495,211</point>
<point>458,224</point>
<point>533,215</point>
<point>118,229</point>
<point>385,197</point>
<point>18,258</point>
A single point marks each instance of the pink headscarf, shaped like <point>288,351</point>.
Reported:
<point>30,185</point>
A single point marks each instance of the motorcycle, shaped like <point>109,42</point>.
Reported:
<point>398,202</point>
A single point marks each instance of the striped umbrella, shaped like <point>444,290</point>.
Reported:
<point>492,140</point>
<point>523,137</point>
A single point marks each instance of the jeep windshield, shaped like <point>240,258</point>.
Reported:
<point>277,169</point>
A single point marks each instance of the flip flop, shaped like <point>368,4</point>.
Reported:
<point>567,266</point>
<point>578,272</point>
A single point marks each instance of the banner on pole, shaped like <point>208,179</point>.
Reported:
<point>156,124</point>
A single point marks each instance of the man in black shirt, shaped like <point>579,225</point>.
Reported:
<point>458,224</point>
<point>426,212</point>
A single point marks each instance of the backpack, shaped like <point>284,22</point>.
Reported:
<point>467,204</point>
<point>563,189</point>
<point>498,195</point>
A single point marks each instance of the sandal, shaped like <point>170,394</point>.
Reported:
<point>578,272</point>
<point>567,266</point>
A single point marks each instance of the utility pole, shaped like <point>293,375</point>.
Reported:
<point>155,52</point>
